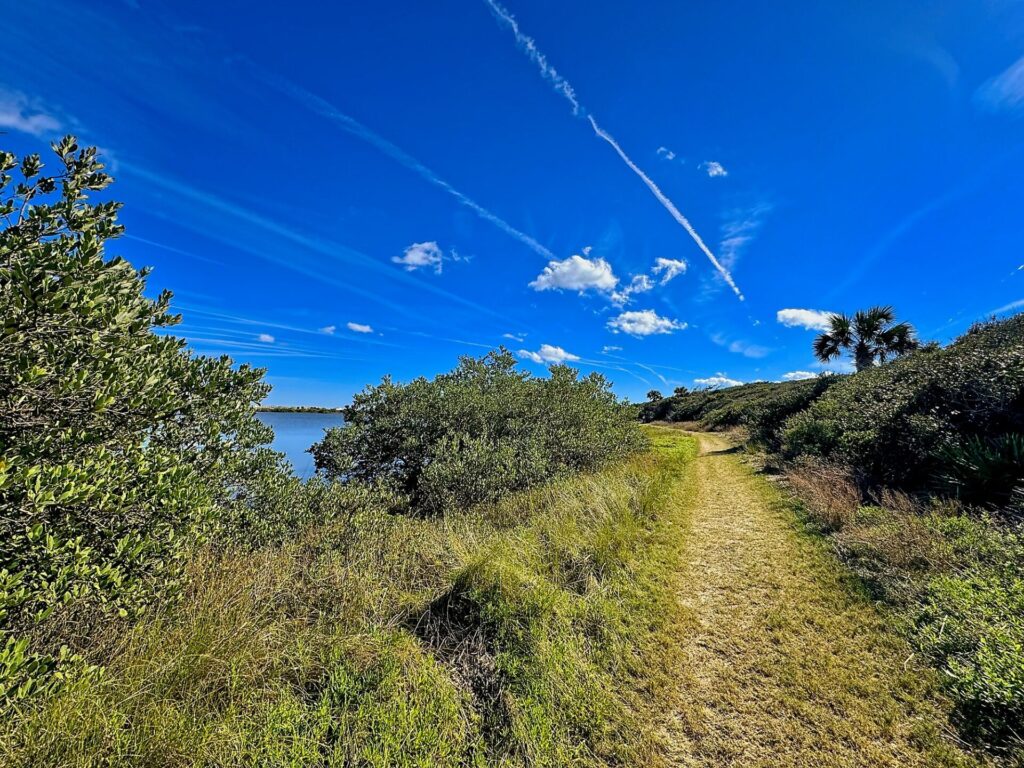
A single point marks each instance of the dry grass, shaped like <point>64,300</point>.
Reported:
<point>828,492</point>
<point>784,664</point>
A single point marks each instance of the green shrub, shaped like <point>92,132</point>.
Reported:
<point>898,423</point>
<point>762,407</point>
<point>116,444</point>
<point>477,433</point>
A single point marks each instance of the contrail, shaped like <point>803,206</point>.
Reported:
<point>327,110</point>
<point>563,87</point>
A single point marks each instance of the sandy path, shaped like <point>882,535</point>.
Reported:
<point>782,666</point>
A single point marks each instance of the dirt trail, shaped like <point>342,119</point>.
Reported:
<point>783,666</point>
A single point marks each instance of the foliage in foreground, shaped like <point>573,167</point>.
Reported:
<point>538,631</point>
<point>116,444</point>
<point>904,423</point>
<point>478,432</point>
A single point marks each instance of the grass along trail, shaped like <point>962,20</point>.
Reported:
<point>783,663</point>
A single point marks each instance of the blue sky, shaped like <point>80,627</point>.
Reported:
<point>340,191</point>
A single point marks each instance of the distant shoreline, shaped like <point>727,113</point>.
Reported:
<point>296,409</point>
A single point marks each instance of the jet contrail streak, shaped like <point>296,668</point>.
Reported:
<point>563,87</point>
<point>327,110</point>
<point>668,205</point>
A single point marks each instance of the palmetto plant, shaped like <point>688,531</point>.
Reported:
<point>871,335</point>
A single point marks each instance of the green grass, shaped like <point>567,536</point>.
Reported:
<point>536,631</point>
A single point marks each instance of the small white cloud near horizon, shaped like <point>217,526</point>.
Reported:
<point>714,169</point>
<point>329,329</point>
<point>426,255</point>
<point>666,153</point>
<point>20,113</point>
<point>576,273</point>
<point>548,354</point>
<point>1005,92</point>
<point>359,327</point>
<point>799,375</point>
<point>668,269</point>
<point>645,322</point>
<point>265,338</point>
<point>718,381</point>
<point>809,319</point>
<point>610,348</point>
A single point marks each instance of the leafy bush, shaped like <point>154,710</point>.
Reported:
<point>761,407</point>
<point>896,424</point>
<point>476,433</point>
<point>115,443</point>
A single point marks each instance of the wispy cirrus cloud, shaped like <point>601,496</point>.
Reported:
<point>740,347</point>
<point>350,125</point>
<point>26,115</point>
<point>809,319</point>
<point>1005,92</point>
<point>359,327</point>
<point>637,284</point>
<point>548,354</point>
<point>563,87</point>
<point>209,202</point>
<point>668,269</point>
<point>265,338</point>
<point>328,330</point>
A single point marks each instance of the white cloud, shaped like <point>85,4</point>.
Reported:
<point>798,375</point>
<point>639,284</point>
<point>739,346</point>
<point>329,329</point>
<point>748,350</point>
<point>577,273</point>
<point>811,319</point>
<point>645,322</point>
<point>714,169</point>
<point>610,348</point>
<point>520,337</point>
<point>718,381</point>
<point>266,338</point>
<point>668,269</point>
<point>1004,93</point>
<point>359,327</point>
<point>421,255</point>
<point>548,354</point>
<point>666,153</point>
<point>20,113</point>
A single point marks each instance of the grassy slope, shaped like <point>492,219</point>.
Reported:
<point>541,631</point>
<point>785,665</point>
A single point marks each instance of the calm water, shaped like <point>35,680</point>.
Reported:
<point>295,432</point>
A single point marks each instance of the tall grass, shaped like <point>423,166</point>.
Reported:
<point>538,630</point>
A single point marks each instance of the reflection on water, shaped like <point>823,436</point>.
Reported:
<point>295,432</point>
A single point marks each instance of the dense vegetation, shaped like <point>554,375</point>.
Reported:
<point>170,594</point>
<point>117,444</point>
<point>915,468</point>
<point>477,433</point>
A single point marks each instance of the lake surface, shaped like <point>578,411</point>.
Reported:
<point>295,432</point>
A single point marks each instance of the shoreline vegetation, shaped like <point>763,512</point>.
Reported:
<point>297,409</point>
<point>913,471</point>
<point>490,567</point>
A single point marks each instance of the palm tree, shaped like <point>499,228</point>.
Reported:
<point>871,336</point>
